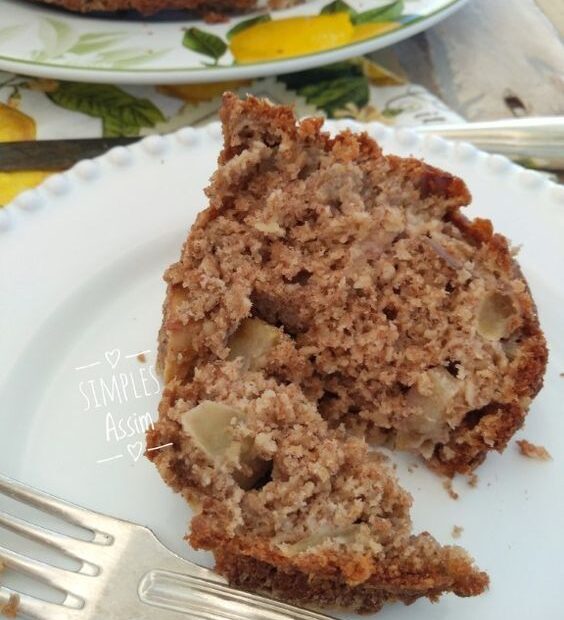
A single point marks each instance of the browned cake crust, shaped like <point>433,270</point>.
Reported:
<point>149,7</point>
<point>328,295</point>
<point>302,589</point>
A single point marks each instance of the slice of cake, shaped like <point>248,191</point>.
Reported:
<point>329,295</point>
<point>332,296</point>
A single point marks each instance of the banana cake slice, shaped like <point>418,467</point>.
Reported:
<point>329,297</point>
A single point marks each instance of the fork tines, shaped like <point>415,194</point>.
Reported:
<point>74,584</point>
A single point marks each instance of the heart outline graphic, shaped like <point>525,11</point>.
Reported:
<point>135,450</point>
<point>112,357</point>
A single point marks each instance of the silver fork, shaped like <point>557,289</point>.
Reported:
<point>125,572</point>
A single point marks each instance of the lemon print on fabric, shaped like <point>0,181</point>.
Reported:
<point>196,93</point>
<point>16,126</point>
<point>13,183</point>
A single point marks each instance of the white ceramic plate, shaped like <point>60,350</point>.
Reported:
<point>81,291</point>
<point>43,41</point>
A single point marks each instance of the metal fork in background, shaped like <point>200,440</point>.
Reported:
<point>535,142</point>
<point>125,573</point>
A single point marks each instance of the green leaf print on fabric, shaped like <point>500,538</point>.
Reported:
<point>204,43</point>
<point>331,87</point>
<point>335,94</point>
<point>122,114</point>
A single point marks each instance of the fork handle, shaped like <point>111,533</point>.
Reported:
<point>539,142</point>
<point>201,598</point>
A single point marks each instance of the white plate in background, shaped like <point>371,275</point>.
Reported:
<point>43,41</point>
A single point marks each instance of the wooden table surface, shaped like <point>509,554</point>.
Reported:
<point>492,59</point>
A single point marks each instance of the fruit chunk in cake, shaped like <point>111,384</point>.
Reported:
<point>402,319</point>
<point>288,506</point>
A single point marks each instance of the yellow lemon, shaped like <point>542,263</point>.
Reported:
<point>15,125</point>
<point>13,183</point>
<point>294,36</point>
<point>380,75</point>
<point>367,31</point>
<point>195,93</point>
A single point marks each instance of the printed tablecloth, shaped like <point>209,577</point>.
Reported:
<point>37,108</point>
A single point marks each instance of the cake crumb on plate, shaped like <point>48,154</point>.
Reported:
<point>447,484</point>
<point>9,609</point>
<point>141,357</point>
<point>457,531</point>
<point>532,451</point>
